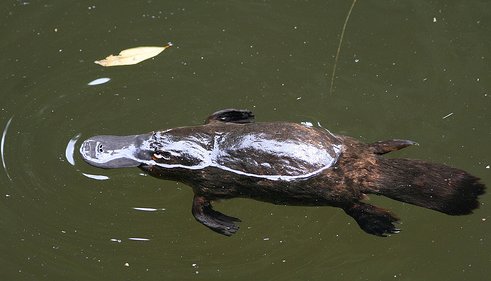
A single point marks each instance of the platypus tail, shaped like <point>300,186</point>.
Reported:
<point>429,185</point>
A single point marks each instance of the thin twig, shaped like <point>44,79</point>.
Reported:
<point>339,46</point>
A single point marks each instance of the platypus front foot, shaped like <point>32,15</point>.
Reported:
<point>216,221</point>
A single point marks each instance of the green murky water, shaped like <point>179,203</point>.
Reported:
<point>407,69</point>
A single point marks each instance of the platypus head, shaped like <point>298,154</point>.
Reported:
<point>115,151</point>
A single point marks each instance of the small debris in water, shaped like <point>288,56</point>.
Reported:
<point>195,265</point>
<point>448,115</point>
<point>487,167</point>
<point>99,81</point>
<point>434,19</point>
<point>126,264</point>
<point>306,123</point>
<point>132,56</point>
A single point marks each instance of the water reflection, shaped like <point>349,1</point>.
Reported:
<point>96,177</point>
<point>99,81</point>
<point>138,239</point>
<point>145,209</point>
<point>129,238</point>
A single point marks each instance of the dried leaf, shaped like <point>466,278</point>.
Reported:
<point>132,56</point>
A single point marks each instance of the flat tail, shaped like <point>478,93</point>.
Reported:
<point>434,186</point>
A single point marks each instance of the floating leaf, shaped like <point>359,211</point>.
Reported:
<point>132,56</point>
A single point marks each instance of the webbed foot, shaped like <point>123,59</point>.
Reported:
<point>216,221</point>
<point>372,219</point>
<point>382,147</point>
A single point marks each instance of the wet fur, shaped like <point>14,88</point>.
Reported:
<point>430,185</point>
<point>286,163</point>
<point>360,170</point>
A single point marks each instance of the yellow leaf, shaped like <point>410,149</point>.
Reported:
<point>132,56</point>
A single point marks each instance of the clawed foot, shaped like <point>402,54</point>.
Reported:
<point>216,221</point>
<point>372,219</point>
<point>383,147</point>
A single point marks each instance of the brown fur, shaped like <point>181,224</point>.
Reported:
<point>433,186</point>
<point>360,170</point>
<point>291,164</point>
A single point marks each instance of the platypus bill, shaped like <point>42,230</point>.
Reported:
<point>286,163</point>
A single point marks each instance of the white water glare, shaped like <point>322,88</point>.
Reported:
<point>2,146</point>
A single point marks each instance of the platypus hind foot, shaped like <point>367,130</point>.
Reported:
<point>372,219</point>
<point>383,147</point>
<point>216,221</point>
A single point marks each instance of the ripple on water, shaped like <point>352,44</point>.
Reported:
<point>2,146</point>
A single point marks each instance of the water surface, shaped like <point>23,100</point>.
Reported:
<point>412,69</point>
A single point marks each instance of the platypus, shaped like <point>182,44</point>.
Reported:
<point>285,163</point>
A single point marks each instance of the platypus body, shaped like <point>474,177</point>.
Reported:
<point>286,163</point>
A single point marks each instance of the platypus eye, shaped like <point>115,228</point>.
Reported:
<point>161,155</point>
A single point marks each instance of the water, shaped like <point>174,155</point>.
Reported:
<point>411,70</point>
